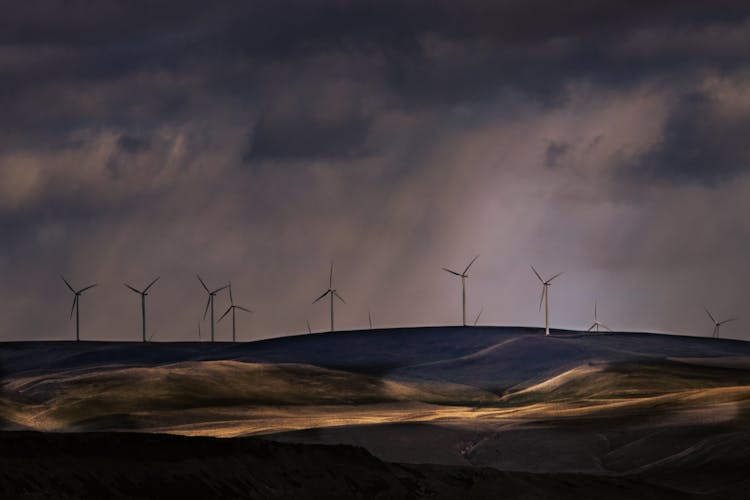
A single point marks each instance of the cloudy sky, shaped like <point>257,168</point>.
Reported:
<point>258,141</point>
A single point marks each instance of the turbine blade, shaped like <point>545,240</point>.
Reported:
<point>151,284</point>
<point>553,277</point>
<point>86,288</point>
<point>605,327</point>
<point>710,315</point>
<point>452,272</point>
<point>537,274</point>
<point>478,315</point>
<point>203,283</point>
<point>136,291</point>
<point>243,309</point>
<point>541,299</point>
<point>225,313</point>
<point>339,297</point>
<point>324,294</point>
<point>330,277</point>
<point>231,298</point>
<point>73,307</point>
<point>470,263</point>
<point>208,303</point>
<point>66,282</point>
<point>219,289</point>
<point>728,320</point>
<point>591,327</point>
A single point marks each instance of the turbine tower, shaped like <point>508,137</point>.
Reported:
<point>597,324</point>
<point>143,294</point>
<point>331,291</point>
<point>210,303</point>
<point>76,301</point>
<point>545,297</point>
<point>717,324</point>
<point>233,307</point>
<point>463,277</point>
<point>369,318</point>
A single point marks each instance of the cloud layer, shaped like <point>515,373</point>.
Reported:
<point>257,142</point>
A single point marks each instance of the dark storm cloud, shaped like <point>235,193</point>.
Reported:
<point>133,144</point>
<point>305,138</point>
<point>701,143</point>
<point>477,46</point>
<point>554,153</point>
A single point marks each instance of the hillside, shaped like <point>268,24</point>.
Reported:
<point>493,353</point>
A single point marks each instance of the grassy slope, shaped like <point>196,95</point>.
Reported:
<point>629,380</point>
<point>68,399</point>
<point>65,383</point>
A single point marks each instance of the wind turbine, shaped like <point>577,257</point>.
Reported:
<point>76,302</point>
<point>545,297</point>
<point>463,277</point>
<point>210,302</point>
<point>717,324</point>
<point>478,315</point>
<point>331,291</point>
<point>232,308</point>
<point>598,323</point>
<point>143,294</point>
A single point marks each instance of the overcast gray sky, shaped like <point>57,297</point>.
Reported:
<point>257,141</point>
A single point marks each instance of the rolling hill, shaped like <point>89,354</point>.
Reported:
<point>643,405</point>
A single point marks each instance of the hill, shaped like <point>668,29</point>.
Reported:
<point>494,354</point>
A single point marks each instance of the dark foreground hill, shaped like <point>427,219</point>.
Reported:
<point>119,465</point>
